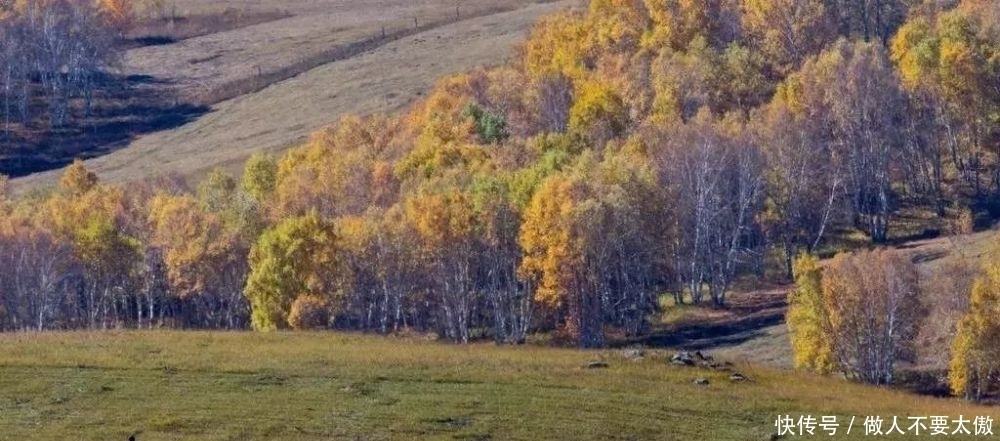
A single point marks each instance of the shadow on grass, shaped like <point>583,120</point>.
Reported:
<point>701,336</point>
<point>931,382</point>
<point>171,28</point>
<point>746,317</point>
<point>153,40</point>
<point>123,108</point>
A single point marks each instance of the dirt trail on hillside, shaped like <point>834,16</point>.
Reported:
<point>382,80</point>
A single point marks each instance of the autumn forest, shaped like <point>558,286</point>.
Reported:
<point>632,153</point>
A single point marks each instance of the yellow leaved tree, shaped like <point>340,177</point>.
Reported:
<point>807,320</point>
<point>975,351</point>
<point>297,257</point>
<point>861,316</point>
<point>119,13</point>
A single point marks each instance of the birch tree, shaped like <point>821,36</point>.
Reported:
<point>873,304</point>
<point>716,184</point>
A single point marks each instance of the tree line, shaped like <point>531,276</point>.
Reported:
<point>629,153</point>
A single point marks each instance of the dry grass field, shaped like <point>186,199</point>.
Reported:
<point>204,64</point>
<point>383,76</point>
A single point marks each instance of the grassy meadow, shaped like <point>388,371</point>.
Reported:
<point>311,386</point>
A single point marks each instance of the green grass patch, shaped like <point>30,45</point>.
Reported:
<point>319,386</point>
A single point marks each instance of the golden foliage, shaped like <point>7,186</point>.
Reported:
<point>560,44</point>
<point>808,322</point>
<point>309,312</point>
<point>975,351</point>
<point>598,111</point>
<point>120,13</point>
<point>788,31</point>
<point>77,180</point>
<point>198,248</point>
<point>547,240</point>
<point>298,256</point>
<point>860,314</point>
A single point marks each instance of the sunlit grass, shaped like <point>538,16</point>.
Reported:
<point>311,386</point>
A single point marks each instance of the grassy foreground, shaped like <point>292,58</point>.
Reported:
<point>312,386</point>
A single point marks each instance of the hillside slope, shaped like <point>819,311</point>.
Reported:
<point>283,114</point>
<point>202,65</point>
